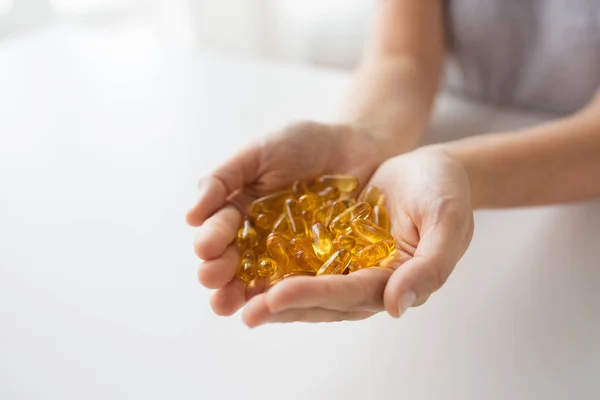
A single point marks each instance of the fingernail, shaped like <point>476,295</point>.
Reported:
<point>406,300</point>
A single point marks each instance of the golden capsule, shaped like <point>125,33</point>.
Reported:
<point>265,222</point>
<point>345,183</point>
<point>330,193</point>
<point>298,227</point>
<point>270,204</point>
<point>266,266</point>
<point>278,248</point>
<point>375,253</point>
<point>299,188</point>
<point>248,269</point>
<point>344,241</point>
<point>308,261</point>
<point>349,202</point>
<point>310,201</point>
<point>358,211</point>
<point>354,266</point>
<point>292,209</point>
<point>247,235</point>
<point>281,224</point>
<point>323,214</point>
<point>337,263</point>
<point>301,244</point>
<point>371,195</point>
<point>381,217</point>
<point>369,232</point>
<point>321,241</point>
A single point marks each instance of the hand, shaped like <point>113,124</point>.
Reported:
<point>298,152</point>
<point>428,198</point>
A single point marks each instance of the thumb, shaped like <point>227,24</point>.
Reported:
<point>215,188</point>
<point>439,250</point>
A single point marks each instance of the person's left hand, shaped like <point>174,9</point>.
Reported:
<point>428,197</point>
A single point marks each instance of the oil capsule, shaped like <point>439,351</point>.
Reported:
<point>371,195</point>
<point>310,201</point>
<point>375,253</point>
<point>278,248</point>
<point>265,221</point>
<point>369,232</point>
<point>323,214</point>
<point>247,235</point>
<point>308,261</point>
<point>358,211</point>
<point>349,242</point>
<point>321,241</point>
<point>381,217</point>
<point>337,263</point>
<point>330,193</point>
<point>267,267</point>
<point>345,183</point>
<point>270,204</point>
<point>281,224</point>
<point>301,244</point>
<point>299,188</point>
<point>248,268</point>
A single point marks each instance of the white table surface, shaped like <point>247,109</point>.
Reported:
<point>103,135</point>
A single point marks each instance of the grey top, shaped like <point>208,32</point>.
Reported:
<point>535,54</point>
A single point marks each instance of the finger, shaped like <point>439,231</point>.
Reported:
<point>215,189</point>
<point>216,273</point>
<point>257,313</point>
<point>438,251</point>
<point>256,287</point>
<point>217,233</point>
<point>359,291</point>
<point>230,298</point>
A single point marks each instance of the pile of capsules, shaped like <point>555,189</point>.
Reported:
<point>319,228</point>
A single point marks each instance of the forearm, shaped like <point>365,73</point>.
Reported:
<point>394,87</point>
<point>550,163</point>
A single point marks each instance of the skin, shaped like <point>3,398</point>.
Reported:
<point>431,192</point>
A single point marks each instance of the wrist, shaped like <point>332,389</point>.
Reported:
<point>461,154</point>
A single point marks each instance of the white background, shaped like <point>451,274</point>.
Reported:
<point>106,123</point>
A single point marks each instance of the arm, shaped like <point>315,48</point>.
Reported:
<point>550,163</point>
<point>394,87</point>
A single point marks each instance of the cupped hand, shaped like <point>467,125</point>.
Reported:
<point>300,151</point>
<point>428,198</point>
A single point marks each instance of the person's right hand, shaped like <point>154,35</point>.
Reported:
<point>300,151</point>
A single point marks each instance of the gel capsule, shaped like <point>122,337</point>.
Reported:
<point>299,188</point>
<point>265,222</point>
<point>269,204</point>
<point>370,232</point>
<point>381,217</point>
<point>278,248</point>
<point>301,244</point>
<point>266,266</point>
<point>310,201</point>
<point>321,241</point>
<point>308,261</point>
<point>358,211</point>
<point>281,224</point>
<point>337,263</point>
<point>345,183</point>
<point>323,214</point>
<point>247,235</point>
<point>248,269</point>
<point>330,193</point>
<point>371,195</point>
<point>375,253</point>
